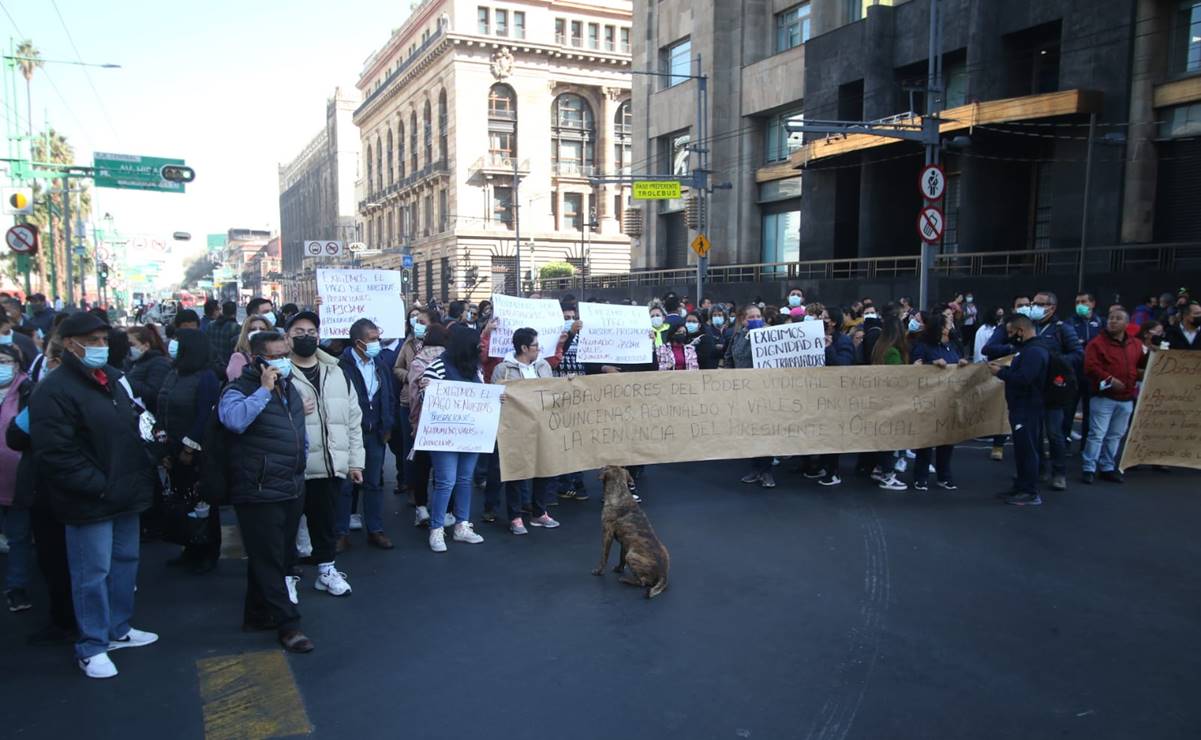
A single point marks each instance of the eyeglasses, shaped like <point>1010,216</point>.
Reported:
<point>1042,304</point>
<point>303,333</point>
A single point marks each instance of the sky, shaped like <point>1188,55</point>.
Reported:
<point>235,88</point>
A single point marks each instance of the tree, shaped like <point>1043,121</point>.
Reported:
<point>54,148</point>
<point>29,60</point>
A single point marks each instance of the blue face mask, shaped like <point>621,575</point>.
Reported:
<point>914,326</point>
<point>1022,310</point>
<point>754,323</point>
<point>1037,313</point>
<point>656,321</point>
<point>94,357</point>
<point>794,300</point>
<point>418,329</point>
<point>719,321</point>
<point>371,349</point>
<point>6,339</point>
<point>7,373</point>
<point>173,348</point>
<point>283,365</point>
<point>567,324</point>
<point>692,327</point>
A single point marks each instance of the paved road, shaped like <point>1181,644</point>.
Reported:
<point>795,613</point>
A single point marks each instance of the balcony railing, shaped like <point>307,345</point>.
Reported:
<point>437,167</point>
<point>574,169</point>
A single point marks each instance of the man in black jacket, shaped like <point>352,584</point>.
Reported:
<point>92,461</point>
<point>1186,334</point>
<point>265,478</point>
<point>222,334</point>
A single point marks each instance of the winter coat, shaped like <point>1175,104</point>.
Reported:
<point>379,412</point>
<point>266,462</point>
<point>1024,381</point>
<point>1104,357</point>
<point>841,350</point>
<point>10,458</point>
<point>88,452</point>
<point>146,375</point>
<point>400,371</point>
<point>509,369</point>
<point>335,428</point>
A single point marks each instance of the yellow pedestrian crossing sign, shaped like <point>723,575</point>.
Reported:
<point>701,245</point>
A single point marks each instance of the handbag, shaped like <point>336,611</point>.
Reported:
<point>181,525</point>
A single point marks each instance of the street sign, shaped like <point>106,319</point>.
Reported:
<point>317,248</point>
<point>134,172</point>
<point>407,261</point>
<point>930,224</point>
<point>656,190</point>
<point>933,182</point>
<point>701,245</point>
<point>18,201</point>
<point>23,239</point>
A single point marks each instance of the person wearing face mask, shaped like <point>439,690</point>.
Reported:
<point>184,406</point>
<point>333,423</point>
<point>1024,378</point>
<point>372,380</point>
<point>936,348</point>
<point>1088,326</point>
<point>419,322</point>
<point>223,335</point>
<point>1113,363</point>
<point>261,307</point>
<point>41,314</point>
<point>263,409</point>
<point>1186,334</point>
<point>242,355</point>
<point>1062,341</point>
<point>718,327</point>
<point>998,345</point>
<point>687,348</point>
<point>10,337</point>
<point>661,326</point>
<point>739,356</point>
<point>92,462</point>
<point>795,298</point>
<point>148,364</point>
<point>840,352</point>
<point>16,495</point>
<point>873,328</point>
<point>971,319</point>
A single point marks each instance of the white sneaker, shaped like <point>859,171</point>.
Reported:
<point>449,521</point>
<point>892,483</point>
<point>356,522</point>
<point>464,532</point>
<point>133,638</point>
<point>333,582</point>
<point>304,543</point>
<point>290,582</point>
<point>437,540</point>
<point>901,465</point>
<point>544,521</point>
<point>879,475</point>
<point>422,517</point>
<point>518,527</point>
<point>911,454</point>
<point>98,666</point>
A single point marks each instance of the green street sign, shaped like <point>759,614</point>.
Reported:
<point>133,172</point>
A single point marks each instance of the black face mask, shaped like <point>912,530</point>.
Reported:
<point>304,346</point>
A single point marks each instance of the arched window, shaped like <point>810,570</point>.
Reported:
<point>442,124</point>
<point>400,150</point>
<point>428,134</point>
<point>391,164</point>
<point>573,136</point>
<point>413,142</point>
<point>623,129</point>
<point>379,164</point>
<point>502,125</point>
<point>370,181</point>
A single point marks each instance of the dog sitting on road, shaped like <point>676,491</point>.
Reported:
<point>622,519</point>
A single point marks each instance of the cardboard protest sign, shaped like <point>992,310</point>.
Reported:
<point>459,417</point>
<point>802,344</point>
<point>614,335</point>
<point>555,426</point>
<point>1166,428</point>
<point>350,295</point>
<point>543,315</point>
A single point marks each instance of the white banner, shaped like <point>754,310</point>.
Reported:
<point>350,295</point>
<point>801,344</point>
<point>459,417</point>
<point>614,335</point>
<point>543,315</point>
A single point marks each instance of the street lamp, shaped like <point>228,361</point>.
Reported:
<point>62,61</point>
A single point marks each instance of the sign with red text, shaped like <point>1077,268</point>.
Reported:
<point>350,295</point>
<point>543,315</point>
<point>459,417</point>
<point>614,335</point>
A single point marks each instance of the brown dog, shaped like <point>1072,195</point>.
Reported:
<point>622,519</point>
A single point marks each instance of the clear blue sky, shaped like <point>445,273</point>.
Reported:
<point>234,87</point>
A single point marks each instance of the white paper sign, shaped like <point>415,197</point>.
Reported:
<point>350,295</point>
<point>543,315</point>
<point>801,344</point>
<point>459,417</point>
<point>614,335</point>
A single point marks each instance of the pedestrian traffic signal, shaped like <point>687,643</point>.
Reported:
<point>177,173</point>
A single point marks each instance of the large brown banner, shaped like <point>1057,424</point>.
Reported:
<point>555,426</point>
<point>1166,429</point>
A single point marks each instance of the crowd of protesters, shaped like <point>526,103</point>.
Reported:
<point>115,436</point>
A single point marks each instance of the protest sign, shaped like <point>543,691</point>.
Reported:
<point>802,344</point>
<point>350,295</point>
<point>459,417</point>
<point>544,316</point>
<point>1166,428</point>
<point>614,335</point>
<point>559,425</point>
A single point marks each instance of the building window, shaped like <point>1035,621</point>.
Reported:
<point>1181,121</point>
<point>677,62</point>
<point>593,35</point>
<point>792,27</point>
<point>674,153</point>
<point>428,134</point>
<point>573,136</point>
<point>573,212</point>
<point>391,170</point>
<point>484,26</point>
<point>854,10</point>
<point>502,205</point>
<point>625,41</point>
<point>623,128</point>
<point>610,38</point>
<point>577,33</point>
<point>781,236</point>
<point>502,124</point>
<point>379,165</point>
<point>443,148</point>
<point>369,170</point>
<point>518,24</point>
<point>400,150</point>
<point>780,141</point>
<point>502,22</point>
<point>427,217</point>
<point>560,32</point>
<point>1186,38</point>
<point>413,142</point>
<point>417,280</point>
<point>443,211</point>
<point>950,234</point>
<point>1040,232</point>
<point>447,278</point>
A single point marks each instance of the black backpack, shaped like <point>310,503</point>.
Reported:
<point>1060,388</point>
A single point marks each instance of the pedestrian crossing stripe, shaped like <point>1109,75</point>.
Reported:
<point>250,697</point>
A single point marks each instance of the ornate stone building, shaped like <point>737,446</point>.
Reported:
<point>467,99</point>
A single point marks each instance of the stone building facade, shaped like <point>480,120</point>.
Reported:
<point>466,96</point>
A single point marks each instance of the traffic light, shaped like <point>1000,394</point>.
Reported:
<point>177,173</point>
<point>18,201</point>
<point>102,273</point>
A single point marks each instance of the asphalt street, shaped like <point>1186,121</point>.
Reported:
<point>800,612</point>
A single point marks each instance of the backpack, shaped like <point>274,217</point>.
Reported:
<point>1060,388</point>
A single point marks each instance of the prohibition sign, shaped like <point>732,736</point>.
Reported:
<point>930,224</point>
<point>22,238</point>
<point>933,182</point>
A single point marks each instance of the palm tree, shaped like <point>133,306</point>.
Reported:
<point>29,59</point>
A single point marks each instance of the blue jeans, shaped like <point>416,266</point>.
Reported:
<point>103,558</point>
<point>1107,423</point>
<point>1052,428</point>
<point>452,475</point>
<point>20,548</point>
<point>519,492</point>
<point>372,489</point>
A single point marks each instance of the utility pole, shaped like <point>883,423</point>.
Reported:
<point>68,231</point>
<point>517,227</point>
<point>700,182</point>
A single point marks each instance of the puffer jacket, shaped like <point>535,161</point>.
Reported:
<point>335,428</point>
<point>509,369</point>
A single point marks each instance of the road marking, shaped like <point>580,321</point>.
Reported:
<point>250,696</point>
